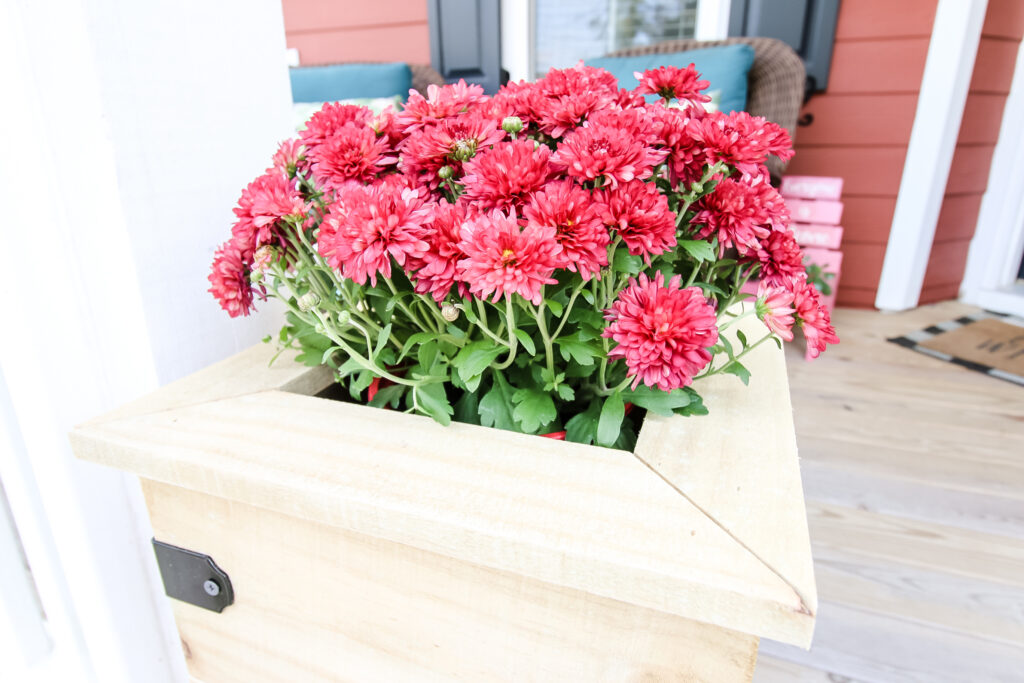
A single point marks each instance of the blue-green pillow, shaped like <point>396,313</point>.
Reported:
<point>348,81</point>
<point>725,67</point>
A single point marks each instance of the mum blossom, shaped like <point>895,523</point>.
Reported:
<point>229,281</point>
<point>435,271</point>
<point>289,158</point>
<point>326,123</point>
<point>446,143</point>
<point>739,139</point>
<point>663,332</point>
<point>671,82</point>
<point>640,215</point>
<point>440,103</point>
<point>813,318</point>
<point>502,259</point>
<point>737,213</point>
<point>353,153</point>
<point>605,152</point>
<point>505,175</point>
<point>672,131</point>
<point>264,203</point>
<point>569,209</point>
<point>774,306</point>
<point>370,225</point>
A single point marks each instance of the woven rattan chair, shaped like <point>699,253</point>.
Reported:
<point>424,75</point>
<point>776,80</point>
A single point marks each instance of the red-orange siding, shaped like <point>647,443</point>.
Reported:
<point>862,126</point>
<point>968,176</point>
<point>334,31</point>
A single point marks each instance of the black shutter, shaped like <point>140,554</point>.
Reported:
<point>808,26</point>
<point>465,41</point>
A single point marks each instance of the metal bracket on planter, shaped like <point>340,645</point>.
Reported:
<point>193,577</point>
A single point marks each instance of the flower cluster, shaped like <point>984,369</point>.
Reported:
<point>528,260</point>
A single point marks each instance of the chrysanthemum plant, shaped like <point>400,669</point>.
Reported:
<point>542,260</point>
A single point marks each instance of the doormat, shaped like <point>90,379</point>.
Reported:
<point>983,342</point>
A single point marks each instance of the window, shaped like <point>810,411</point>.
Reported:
<point>570,30</point>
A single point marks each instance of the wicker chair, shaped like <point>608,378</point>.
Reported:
<point>424,75</point>
<point>776,80</point>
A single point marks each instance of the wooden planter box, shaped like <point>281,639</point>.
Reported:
<point>369,545</point>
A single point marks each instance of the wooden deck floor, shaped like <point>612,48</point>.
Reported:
<point>913,471</point>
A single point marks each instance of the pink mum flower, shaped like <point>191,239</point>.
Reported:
<point>505,175</point>
<point>612,154</point>
<point>441,102</point>
<point>334,116</point>
<point>640,215</point>
<point>813,318</point>
<point>739,139</point>
<point>671,82</point>
<point>229,281</point>
<point>289,158</point>
<point>435,271</point>
<point>568,208</point>
<point>370,225</point>
<point>502,259</point>
<point>780,258</point>
<point>352,153</point>
<point>737,212</point>
<point>264,203</point>
<point>662,331</point>
<point>775,307</point>
<point>446,143</point>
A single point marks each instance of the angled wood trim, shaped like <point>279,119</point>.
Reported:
<point>645,529</point>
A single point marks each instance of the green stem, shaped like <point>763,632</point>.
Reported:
<point>568,308</point>
<point>542,326</point>
<point>736,358</point>
<point>513,340</point>
<point>484,325</point>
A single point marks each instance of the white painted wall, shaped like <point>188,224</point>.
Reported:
<point>128,131</point>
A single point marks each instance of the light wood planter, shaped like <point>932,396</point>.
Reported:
<point>369,545</point>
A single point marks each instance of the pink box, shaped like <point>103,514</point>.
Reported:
<point>811,187</point>
<point>811,211</point>
<point>817,235</point>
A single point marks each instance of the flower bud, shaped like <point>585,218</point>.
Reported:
<point>263,257</point>
<point>445,172</point>
<point>344,318</point>
<point>465,149</point>
<point>449,312</point>
<point>308,301</point>
<point>512,124</point>
<point>256,276</point>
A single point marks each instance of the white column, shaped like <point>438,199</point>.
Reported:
<point>129,129</point>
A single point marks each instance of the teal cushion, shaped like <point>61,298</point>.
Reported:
<point>347,81</point>
<point>725,67</point>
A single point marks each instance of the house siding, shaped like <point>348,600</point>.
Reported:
<point>862,127</point>
<point>335,31</point>
<point>968,177</point>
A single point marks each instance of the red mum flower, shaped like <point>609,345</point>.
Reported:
<point>671,82</point>
<point>605,152</point>
<point>663,331</point>
<point>334,116</point>
<point>446,143</point>
<point>441,102</point>
<point>640,215</point>
<point>775,307</point>
<point>505,175</point>
<point>353,153</point>
<point>368,226</point>
<point>738,212</point>
<point>673,133</point>
<point>813,318</point>
<point>780,258</point>
<point>229,280</point>
<point>435,271</point>
<point>289,158</point>
<point>568,208</point>
<point>502,259</point>
<point>261,208</point>
<point>739,139</point>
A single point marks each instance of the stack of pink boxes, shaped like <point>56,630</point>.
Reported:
<point>815,208</point>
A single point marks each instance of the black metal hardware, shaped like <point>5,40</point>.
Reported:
<point>193,577</point>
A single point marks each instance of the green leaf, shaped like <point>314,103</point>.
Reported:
<point>526,340</point>
<point>426,354</point>
<point>555,307</point>
<point>456,332</point>
<point>358,384</point>
<point>533,409</point>
<point>434,402</point>
<point>412,341</point>
<point>737,368</point>
<point>582,428</point>
<point>610,423</point>
<point>657,401</point>
<point>382,340</point>
<point>389,395</point>
<point>474,358</point>
<point>348,367</point>
<point>742,337</point>
<point>694,407</point>
<point>566,393</point>
<point>624,262</point>
<point>698,249</point>
<point>579,351</point>
<point>467,409</point>
<point>588,295</point>
<point>496,405</point>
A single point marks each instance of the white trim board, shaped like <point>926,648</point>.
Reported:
<point>995,253</point>
<point>940,107</point>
